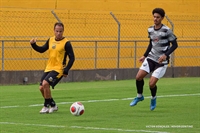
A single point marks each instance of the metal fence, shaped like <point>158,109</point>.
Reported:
<point>94,55</point>
<point>101,40</point>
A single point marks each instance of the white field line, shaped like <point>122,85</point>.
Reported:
<point>26,124</point>
<point>117,129</point>
<point>81,127</point>
<point>11,106</point>
<point>105,100</point>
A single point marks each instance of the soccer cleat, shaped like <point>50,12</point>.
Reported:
<point>52,109</point>
<point>153,104</point>
<point>44,110</point>
<point>136,100</point>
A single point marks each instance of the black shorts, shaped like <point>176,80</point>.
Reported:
<point>153,65</point>
<point>51,78</point>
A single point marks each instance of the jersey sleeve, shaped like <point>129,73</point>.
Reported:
<point>148,48</point>
<point>172,48</point>
<point>41,49</point>
<point>173,39</point>
<point>70,53</point>
<point>171,36</point>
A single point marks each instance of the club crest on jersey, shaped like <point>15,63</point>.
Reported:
<point>50,79</point>
<point>155,39</point>
<point>54,46</point>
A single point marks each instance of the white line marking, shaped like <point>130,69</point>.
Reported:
<point>117,129</point>
<point>105,100</point>
<point>13,123</point>
<point>81,127</point>
<point>35,105</point>
<point>10,106</point>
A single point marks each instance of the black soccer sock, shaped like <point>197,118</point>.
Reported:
<point>52,102</point>
<point>153,91</point>
<point>139,85</point>
<point>47,102</point>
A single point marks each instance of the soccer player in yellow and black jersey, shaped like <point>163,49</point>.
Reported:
<point>59,48</point>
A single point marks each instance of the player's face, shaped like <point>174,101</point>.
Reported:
<point>58,31</point>
<point>157,19</point>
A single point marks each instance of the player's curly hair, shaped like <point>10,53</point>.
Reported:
<point>159,11</point>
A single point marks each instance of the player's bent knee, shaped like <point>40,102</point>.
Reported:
<point>45,84</point>
<point>152,85</point>
<point>138,78</point>
<point>140,75</point>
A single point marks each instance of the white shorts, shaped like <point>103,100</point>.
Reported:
<point>151,66</point>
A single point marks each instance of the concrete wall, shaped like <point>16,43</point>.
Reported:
<point>16,77</point>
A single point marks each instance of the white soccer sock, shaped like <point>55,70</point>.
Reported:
<point>139,95</point>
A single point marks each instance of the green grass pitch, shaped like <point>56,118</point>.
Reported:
<point>107,108</point>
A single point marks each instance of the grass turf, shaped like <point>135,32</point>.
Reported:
<point>107,108</point>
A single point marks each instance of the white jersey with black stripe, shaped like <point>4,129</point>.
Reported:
<point>160,39</point>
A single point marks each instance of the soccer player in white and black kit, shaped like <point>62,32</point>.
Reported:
<point>156,58</point>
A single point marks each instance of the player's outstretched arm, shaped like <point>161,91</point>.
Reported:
<point>37,48</point>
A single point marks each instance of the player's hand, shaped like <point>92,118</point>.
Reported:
<point>141,60</point>
<point>162,58</point>
<point>33,40</point>
<point>64,75</point>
